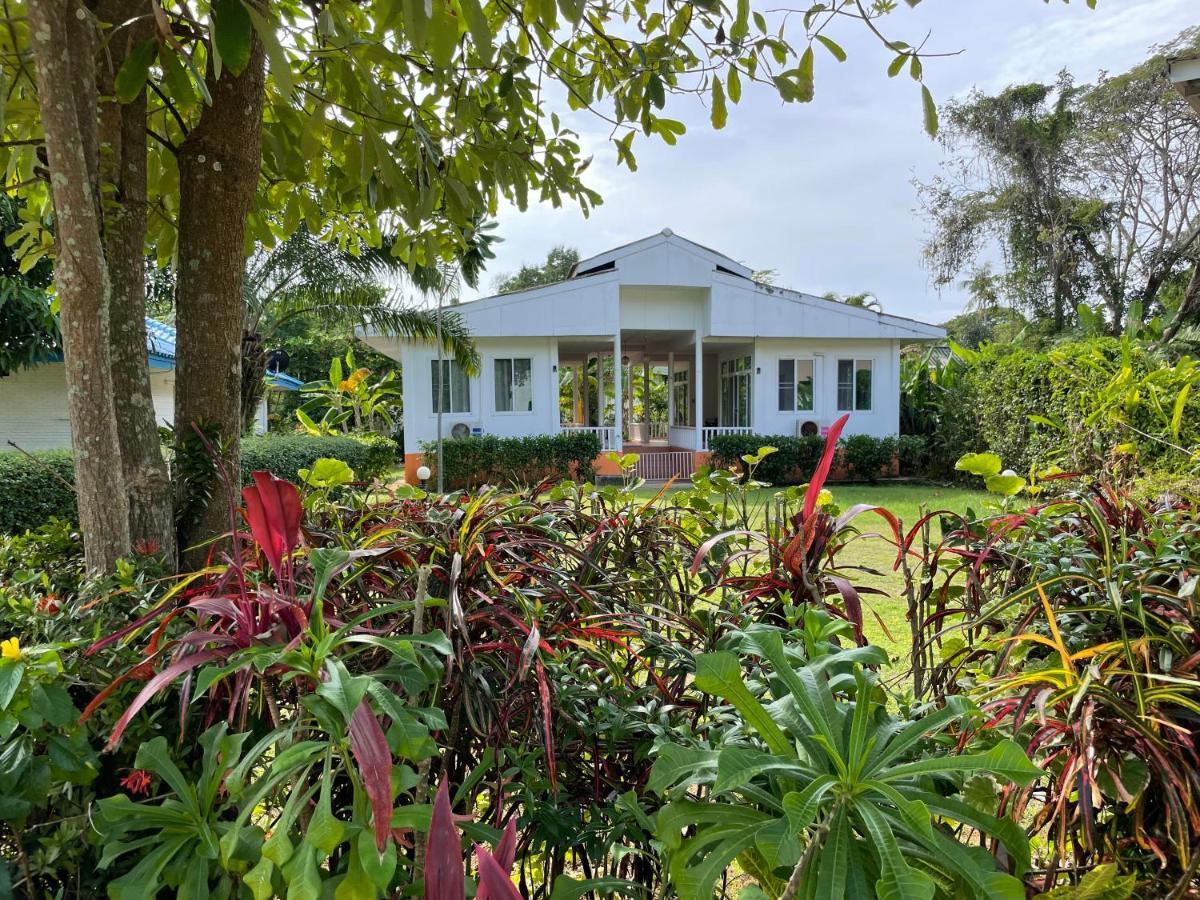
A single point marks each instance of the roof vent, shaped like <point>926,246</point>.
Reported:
<point>667,232</point>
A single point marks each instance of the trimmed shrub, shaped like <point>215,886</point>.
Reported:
<point>490,459</point>
<point>792,463</point>
<point>34,490</point>
<point>860,456</point>
<point>866,457</point>
<point>283,455</point>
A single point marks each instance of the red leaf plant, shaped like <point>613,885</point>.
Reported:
<point>801,554</point>
<point>445,872</point>
<point>231,608</point>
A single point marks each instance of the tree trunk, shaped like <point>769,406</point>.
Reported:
<point>63,46</point>
<point>1189,307</point>
<point>219,165</point>
<point>254,370</point>
<point>123,165</point>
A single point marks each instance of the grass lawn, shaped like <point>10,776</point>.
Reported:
<point>874,552</point>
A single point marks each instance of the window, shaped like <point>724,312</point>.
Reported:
<point>451,387</point>
<point>796,393</point>
<point>514,385</point>
<point>683,398</point>
<point>854,384</point>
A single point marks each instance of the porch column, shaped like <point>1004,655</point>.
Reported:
<point>575,395</point>
<point>698,391</point>
<point>618,399</point>
<point>646,393</point>
<point>670,393</point>
<point>587,389</point>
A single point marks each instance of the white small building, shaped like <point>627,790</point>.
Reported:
<point>730,355</point>
<point>33,401</point>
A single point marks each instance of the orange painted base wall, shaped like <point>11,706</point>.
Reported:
<point>602,465</point>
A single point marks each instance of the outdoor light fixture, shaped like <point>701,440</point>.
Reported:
<point>423,474</point>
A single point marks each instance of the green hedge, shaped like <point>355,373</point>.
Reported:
<point>34,490</point>
<point>283,455</point>
<point>1007,384</point>
<point>489,459</point>
<point>860,456</point>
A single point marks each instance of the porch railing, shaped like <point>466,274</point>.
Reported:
<point>708,434</point>
<point>666,464</point>
<point>640,434</point>
<point>606,433</point>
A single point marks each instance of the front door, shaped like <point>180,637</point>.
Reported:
<point>736,382</point>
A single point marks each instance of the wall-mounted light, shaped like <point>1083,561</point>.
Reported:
<point>758,370</point>
<point>555,367</point>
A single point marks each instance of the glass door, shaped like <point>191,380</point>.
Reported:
<point>736,392</point>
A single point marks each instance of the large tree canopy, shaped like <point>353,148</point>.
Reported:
<point>1089,191</point>
<point>355,118</point>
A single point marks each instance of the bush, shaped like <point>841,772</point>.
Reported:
<point>489,459</point>
<point>283,455</point>
<point>868,457</point>
<point>35,488</point>
<point>912,451</point>
<point>861,456</point>
<point>792,463</point>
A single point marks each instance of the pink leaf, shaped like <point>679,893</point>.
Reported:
<point>374,758</point>
<point>445,876</point>
<point>505,856</point>
<point>822,472</point>
<point>494,882</point>
<point>273,512</point>
<point>156,684</point>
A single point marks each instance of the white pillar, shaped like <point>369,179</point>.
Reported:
<point>587,389</point>
<point>618,399</point>
<point>646,393</point>
<point>698,391</point>
<point>670,393</point>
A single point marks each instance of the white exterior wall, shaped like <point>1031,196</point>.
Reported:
<point>33,406</point>
<point>420,419</point>
<point>882,420</point>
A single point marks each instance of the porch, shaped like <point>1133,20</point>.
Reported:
<point>663,395</point>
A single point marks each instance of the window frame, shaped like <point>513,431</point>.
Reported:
<point>795,384</point>
<point>856,366</point>
<point>435,387</point>
<point>512,361</point>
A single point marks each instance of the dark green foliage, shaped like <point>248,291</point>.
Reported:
<point>557,267</point>
<point>369,455</point>
<point>35,488</point>
<point>792,463</point>
<point>28,328</point>
<point>489,459</point>
<point>867,457</point>
<point>912,454</point>
<point>861,456</point>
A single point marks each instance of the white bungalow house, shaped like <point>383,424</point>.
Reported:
<point>33,401</point>
<point>739,356</point>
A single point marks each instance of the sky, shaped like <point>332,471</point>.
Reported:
<point>822,193</point>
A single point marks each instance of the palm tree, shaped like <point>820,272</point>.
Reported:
<point>310,277</point>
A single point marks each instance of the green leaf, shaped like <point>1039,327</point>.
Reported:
<point>833,47</point>
<point>281,66</point>
<point>676,764</point>
<point>477,25</point>
<point>983,464</point>
<point>801,806</point>
<point>325,830</point>
<point>720,673</point>
<point>719,112</point>
<point>232,34</point>
<point>898,880</point>
<point>1005,760</point>
<point>740,765</point>
<point>568,888</point>
<point>11,672</point>
<point>258,879</point>
<point>131,79</point>
<point>343,690</point>
<point>833,862</point>
<point>1005,485</point>
<point>931,112</point>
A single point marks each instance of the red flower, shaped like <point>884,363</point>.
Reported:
<point>137,782</point>
<point>49,605</point>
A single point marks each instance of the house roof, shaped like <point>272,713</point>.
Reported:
<point>1184,73</point>
<point>585,303</point>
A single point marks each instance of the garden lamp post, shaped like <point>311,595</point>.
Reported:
<point>423,474</point>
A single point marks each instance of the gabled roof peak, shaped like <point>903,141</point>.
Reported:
<point>610,258</point>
